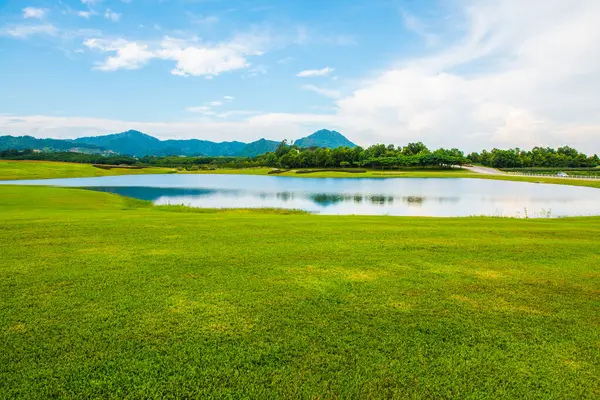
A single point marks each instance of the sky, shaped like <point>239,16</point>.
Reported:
<point>471,74</point>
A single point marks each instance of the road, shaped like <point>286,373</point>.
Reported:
<point>484,170</point>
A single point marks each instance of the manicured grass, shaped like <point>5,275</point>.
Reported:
<point>107,297</point>
<point>45,169</point>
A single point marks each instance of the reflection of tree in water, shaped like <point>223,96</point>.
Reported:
<point>381,200</point>
<point>414,200</point>
<point>285,196</point>
<point>323,199</point>
<point>326,199</point>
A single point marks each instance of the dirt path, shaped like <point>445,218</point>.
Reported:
<point>485,170</point>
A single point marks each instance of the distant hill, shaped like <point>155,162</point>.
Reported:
<point>135,143</point>
<point>201,147</point>
<point>132,143</point>
<point>324,138</point>
<point>259,147</point>
<point>29,142</point>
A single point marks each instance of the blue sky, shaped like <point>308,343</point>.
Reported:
<point>449,73</point>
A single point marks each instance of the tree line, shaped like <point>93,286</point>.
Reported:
<point>566,157</point>
<point>379,156</point>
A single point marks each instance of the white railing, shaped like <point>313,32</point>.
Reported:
<point>554,175</point>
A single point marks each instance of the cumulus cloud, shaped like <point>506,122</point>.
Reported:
<point>192,57</point>
<point>129,55</point>
<point>33,12</point>
<point>525,74</point>
<point>198,60</point>
<point>315,72</point>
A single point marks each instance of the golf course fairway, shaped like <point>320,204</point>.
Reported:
<point>107,297</point>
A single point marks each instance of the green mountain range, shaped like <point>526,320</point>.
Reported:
<point>135,143</point>
<point>29,142</point>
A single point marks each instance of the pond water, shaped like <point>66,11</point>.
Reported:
<point>362,196</point>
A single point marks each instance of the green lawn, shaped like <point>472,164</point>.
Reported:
<point>46,169</point>
<point>107,297</point>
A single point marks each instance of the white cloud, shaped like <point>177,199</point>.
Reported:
<point>215,103</point>
<point>197,60</point>
<point>248,129</point>
<point>414,24</point>
<point>525,74</point>
<point>315,72</point>
<point>192,57</point>
<point>85,14</point>
<point>111,15</point>
<point>229,98</point>
<point>206,110</point>
<point>33,12</point>
<point>24,31</point>
<point>129,55</point>
<point>322,91</point>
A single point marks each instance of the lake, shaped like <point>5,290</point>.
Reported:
<point>446,197</point>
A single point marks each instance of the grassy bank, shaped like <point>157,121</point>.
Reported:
<point>102,296</point>
<point>46,170</point>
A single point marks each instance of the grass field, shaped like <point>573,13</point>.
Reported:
<point>46,170</point>
<point>107,297</point>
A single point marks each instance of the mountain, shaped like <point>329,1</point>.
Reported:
<point>261,146</point>
<point>135,143</point>
<point>29,142</point>
<point>201,147</point>
<point>131,143</point>
<point>324,138</point>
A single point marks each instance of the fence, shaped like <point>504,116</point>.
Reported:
<point>554,175</point>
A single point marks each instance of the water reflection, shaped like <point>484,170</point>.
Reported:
<point>410,197</point>
<point>163,195</point>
